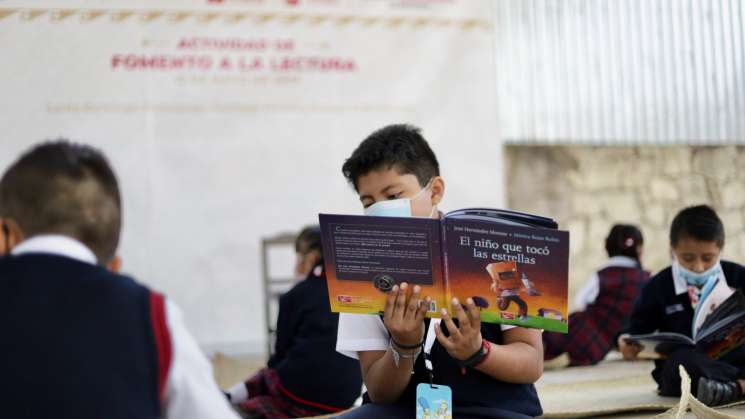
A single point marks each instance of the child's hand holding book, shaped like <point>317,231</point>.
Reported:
<point>629,350</point>
<point>404,317</point>
<point>465,339</point>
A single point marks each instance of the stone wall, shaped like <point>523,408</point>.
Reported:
<point>588,189</point>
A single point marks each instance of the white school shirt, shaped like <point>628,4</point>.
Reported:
<point>365,332</point>
<point>191,391</point>
<point>589,293</point>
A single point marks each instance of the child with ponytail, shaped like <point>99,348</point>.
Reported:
<point>605,303</point>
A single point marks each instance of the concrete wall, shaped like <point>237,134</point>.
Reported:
<point>587,189</point>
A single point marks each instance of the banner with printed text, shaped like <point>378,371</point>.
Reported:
<point>229,120</point>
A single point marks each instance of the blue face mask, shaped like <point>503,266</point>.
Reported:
<point>697,279</point>
<point>396,207</point>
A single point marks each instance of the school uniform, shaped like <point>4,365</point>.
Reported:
<point>475,394</point>
<point>665,306</point>
<point>81,342</point>
<point>305,376</point>
<point>604,308</point>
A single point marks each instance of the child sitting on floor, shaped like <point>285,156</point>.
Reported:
<point>667,304</point>
<point>490,368</point>
<point>605,303</point>
<point>296,381</point>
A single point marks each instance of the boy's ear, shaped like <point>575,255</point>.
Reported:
<point>316,257</point>
<point>10,235</point>
<point>438,190</point>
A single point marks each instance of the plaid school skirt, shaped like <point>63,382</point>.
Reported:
<point>267,398</point>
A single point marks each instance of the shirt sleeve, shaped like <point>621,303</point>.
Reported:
<point>588,294</point>
<point>359,333</point>
<point>191,390</point>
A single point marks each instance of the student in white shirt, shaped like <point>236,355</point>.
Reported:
<point>81,341</point>
<point>604,305</point>
<point>395,172</point>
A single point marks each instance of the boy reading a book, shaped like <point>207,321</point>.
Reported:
<point>668,301</point>
<point>490,368</point>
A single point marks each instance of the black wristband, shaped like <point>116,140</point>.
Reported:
<point>475,358</point>
<point>418,345</point>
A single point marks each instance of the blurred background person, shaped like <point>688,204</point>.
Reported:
<point>295,382</point>
<point>604,305</point>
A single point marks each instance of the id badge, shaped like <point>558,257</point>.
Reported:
<point>434,402</point>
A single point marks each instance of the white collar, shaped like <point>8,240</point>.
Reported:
<point>621,262</point>
<point>681,286</point>
<point>56,245</point>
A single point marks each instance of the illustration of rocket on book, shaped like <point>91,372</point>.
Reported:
<point>508,283</point>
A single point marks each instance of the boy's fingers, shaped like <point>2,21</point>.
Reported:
<point>463,321</point>
<point>422,310</point>
<point>444,341</point>
<point>413,306</point>
<point>390,303</point>
<point>400,307</point>
<point>473,313</point>
<point>452,328</point>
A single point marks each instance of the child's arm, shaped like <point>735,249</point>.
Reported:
<point>518,360</point>
<point>405,322</point>
<point>645,318</point>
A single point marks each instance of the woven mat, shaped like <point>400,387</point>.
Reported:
<point>616,386</point>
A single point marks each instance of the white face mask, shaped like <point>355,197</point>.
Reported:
<point>397,207</point>
<point>694,278</point>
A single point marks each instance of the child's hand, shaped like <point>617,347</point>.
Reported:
<point>405,319</point>
<point>493,287</point>
<point>629,351</point>
<point>465,340</point>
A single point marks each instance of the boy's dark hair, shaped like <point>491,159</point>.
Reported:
<point>624,240</point>
<point>63,188</point>
<point>308,239</point>
<point>700,223</point>
<point>398,146</point>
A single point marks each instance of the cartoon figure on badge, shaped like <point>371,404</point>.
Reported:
<point>442,412</point>
<point>425,407</point>
<point>507,283</point>
<point>433,401</point>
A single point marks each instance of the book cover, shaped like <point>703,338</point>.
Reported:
<point>365,256</point>
<point>515,273</point>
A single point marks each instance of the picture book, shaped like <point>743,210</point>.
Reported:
<point>513,265</point>
<point>720,331</point>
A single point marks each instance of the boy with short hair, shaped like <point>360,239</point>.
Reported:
<point>667,304</point>
<point>395,172</point>
<point>80,341</point>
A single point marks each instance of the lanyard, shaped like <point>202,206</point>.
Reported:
<point>428,343</point>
